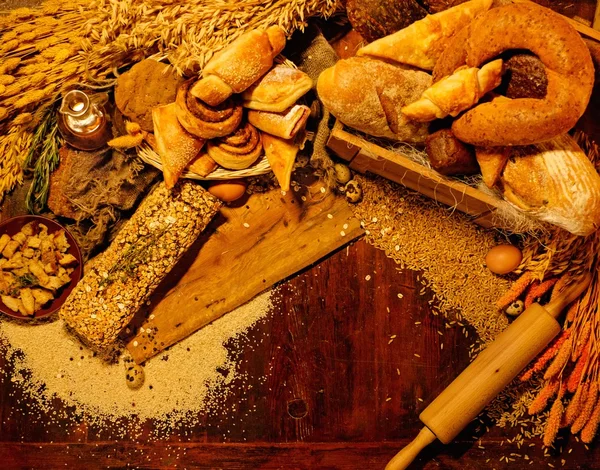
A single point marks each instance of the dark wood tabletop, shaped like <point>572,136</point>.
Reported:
<point>328,389</point>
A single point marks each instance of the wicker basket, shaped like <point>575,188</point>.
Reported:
<point>261,167</point>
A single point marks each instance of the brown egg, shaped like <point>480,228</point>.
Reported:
<point>228,191</point>
<point>503,259</point>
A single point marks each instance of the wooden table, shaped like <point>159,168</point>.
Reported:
<point>328,389</point>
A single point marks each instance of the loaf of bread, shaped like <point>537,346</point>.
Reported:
<point>367,95</point>
<point>374,19</point>
<point>421,43</point>
<point>449,156</point>
<point>239,65</point>
<point>555,182</point>
<point>123,277</point>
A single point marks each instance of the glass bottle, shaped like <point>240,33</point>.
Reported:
<point>82,120</point>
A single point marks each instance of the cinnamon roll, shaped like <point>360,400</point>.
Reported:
<point>238,150</point>
<point>202,120</point>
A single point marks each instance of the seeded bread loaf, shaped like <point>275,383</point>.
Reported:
<point>123,277</point>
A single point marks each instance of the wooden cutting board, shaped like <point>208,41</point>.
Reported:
<point>244,251</point>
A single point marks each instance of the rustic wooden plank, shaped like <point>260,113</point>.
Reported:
<point>297,456</point>
<point>401,169</point>
<point>339,145</point>
<point>596,21</point>
<point>245,251</point>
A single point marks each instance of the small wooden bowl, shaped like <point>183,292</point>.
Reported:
<point>13,226</point>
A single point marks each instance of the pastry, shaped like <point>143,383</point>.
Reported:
<point>367,95</point>
<point>281,154</point>
<point>523,121</point>
<point>238,150</point>
<point>373,19</point>
<point>176,147</point>
<point>492,161</point>
<point>455,93</point>
<point>421,43</point>
<point>202,164</point>
<point>448,155</point>
<point>285,125</point>
<point>239,65</point>
<point>206,121</point>
<point>277,90</point>
<point>555,182</point>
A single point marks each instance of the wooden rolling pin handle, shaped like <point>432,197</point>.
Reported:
<point>568,294</point>
<point>405,457</point>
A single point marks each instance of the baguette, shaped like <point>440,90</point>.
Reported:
<point>367,94</point>
<point>421,43</point>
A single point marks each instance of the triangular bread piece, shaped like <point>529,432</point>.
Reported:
<point>281,154</point>
<point>202,164</point>
<point>176,147</point>
<point>492,161</point>
<point>421,43</point>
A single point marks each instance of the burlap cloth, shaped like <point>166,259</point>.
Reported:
<point>95,189</point>
<point>311,52</point>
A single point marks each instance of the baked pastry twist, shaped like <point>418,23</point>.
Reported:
<point>455,93</point>
<point>522,121</point>
<point>203,120</point>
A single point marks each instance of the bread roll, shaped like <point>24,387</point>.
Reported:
<point>525,77</point>
<point>449,156</point>
<point>555,182</point>
<point>239,65</point>
<point>367,95</point>
<point>421,43</point>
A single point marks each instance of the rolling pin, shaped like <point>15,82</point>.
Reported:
<point>494,368</point>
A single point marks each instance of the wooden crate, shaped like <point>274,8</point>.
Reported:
<point>364,156</point>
